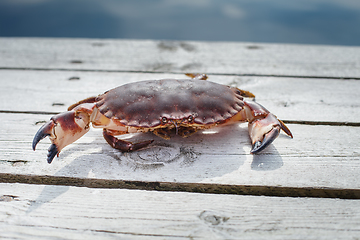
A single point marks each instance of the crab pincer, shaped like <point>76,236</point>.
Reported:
<point>264,127</point>
<point>260,134</point>
<point>45,131</point>
<point>62,130</point>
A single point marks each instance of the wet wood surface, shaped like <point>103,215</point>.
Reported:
<point>312,88</point>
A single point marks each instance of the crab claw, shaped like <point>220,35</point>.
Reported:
<point>42,133</point>
<point>45,131</point>
<point>62,130</point>
<point>264,131</point>
<point>267,140</point>
<point>53,151</point>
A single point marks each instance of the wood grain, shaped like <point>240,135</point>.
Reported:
<point>305,85</point>
<point>233,58</point>
<point>314,158</point>
<point>35,211</point>
<point>295,99</point>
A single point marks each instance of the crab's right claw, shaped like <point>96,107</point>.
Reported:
<point>62,130</point>
<point>46,131</point>
<point>42,133</point>
<point>53,151</point>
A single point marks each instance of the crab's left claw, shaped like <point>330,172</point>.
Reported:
<point>268,138</point>
<point>264,131</point>
<point>264,127</point>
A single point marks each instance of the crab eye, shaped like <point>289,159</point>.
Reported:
<point>164,120</point>
<point>190,119</point>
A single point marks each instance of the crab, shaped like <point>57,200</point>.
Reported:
<point>163,107</point>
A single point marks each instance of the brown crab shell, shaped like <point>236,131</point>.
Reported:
<point>146,103</point>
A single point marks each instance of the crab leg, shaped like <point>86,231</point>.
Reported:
<point>122,145</point>
<point>264,127</point>
<point>62,130</point>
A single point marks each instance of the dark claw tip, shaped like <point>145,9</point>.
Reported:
<point>43,132</point>
<point>53,151</point>
<point>256,147</point>
<point>38,137</point>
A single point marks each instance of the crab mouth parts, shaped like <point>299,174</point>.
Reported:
<point>177,125</point>
<point>180,125</point>
<point>183,127</point>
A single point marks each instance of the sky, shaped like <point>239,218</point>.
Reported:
<point>330,22</point>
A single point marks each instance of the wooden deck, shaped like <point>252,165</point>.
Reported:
<point>207,186</point>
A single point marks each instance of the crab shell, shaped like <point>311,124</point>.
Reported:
<point>150,104</point>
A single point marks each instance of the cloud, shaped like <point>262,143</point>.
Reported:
<point>232,11</point>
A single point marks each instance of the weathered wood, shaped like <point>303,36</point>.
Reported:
<point>319,156</point>
<point>216,158</point>
<point>35,211</point>
<point>254,190</point>
<point>293,99</point>
<point>296,82</point>
<point>173,56</point>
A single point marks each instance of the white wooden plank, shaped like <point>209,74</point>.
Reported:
<point>174,56</point>
<point>318,156</point>
<point>289,98</point>
<point>37,212</point>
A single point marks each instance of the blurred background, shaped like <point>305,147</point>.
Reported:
<point>331,22</point>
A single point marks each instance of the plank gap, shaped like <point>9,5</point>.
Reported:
<point>302,122</point>
<point>255,190</point>
<point>29,112</point>
<point>323,123</point>
<point>174,72</point>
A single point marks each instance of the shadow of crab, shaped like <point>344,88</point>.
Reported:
<point>185,151</point>
<point>161,154</point>
<point>200,156</point>
<point>206,154</point>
